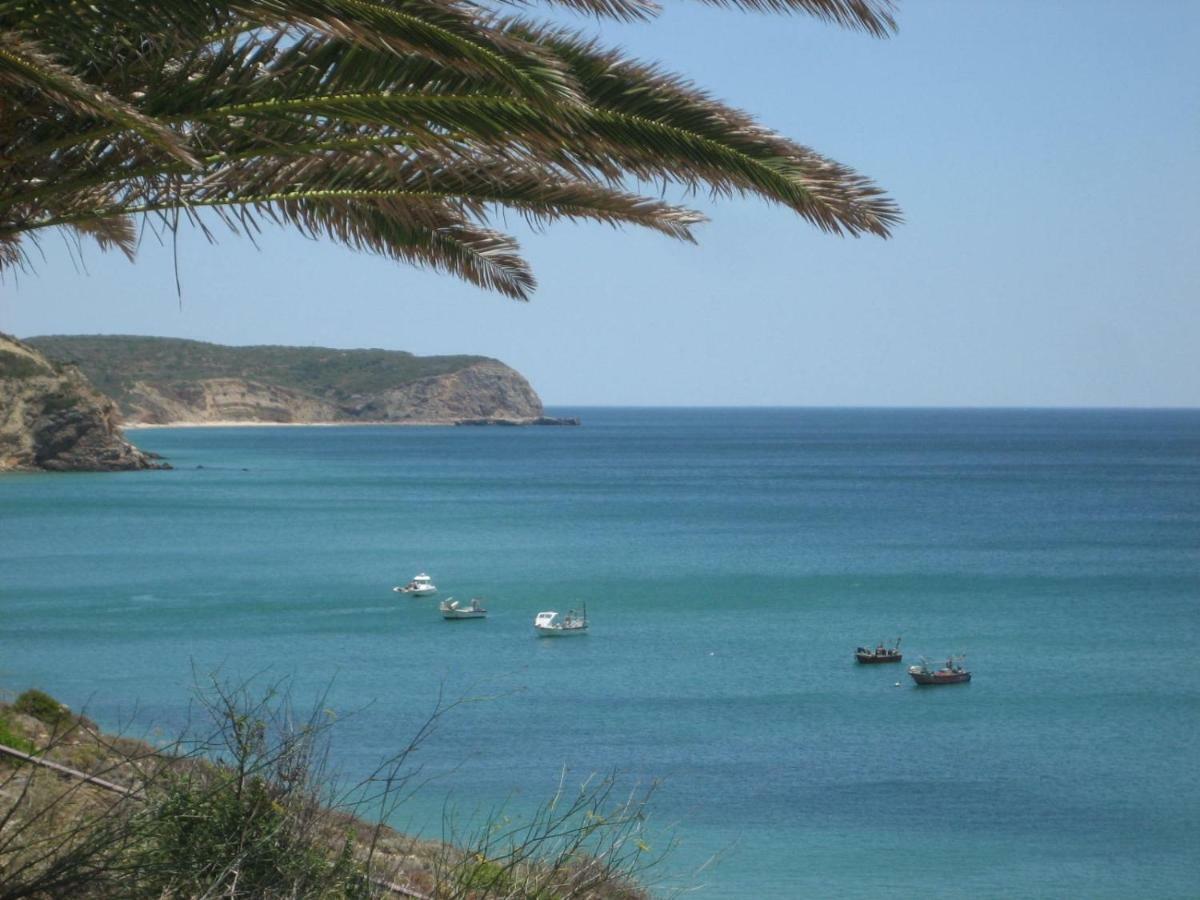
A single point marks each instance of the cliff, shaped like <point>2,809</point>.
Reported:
<point>52,418</point>
<point>164,380</point>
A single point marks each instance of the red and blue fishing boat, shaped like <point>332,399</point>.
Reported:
<point>951,673</point>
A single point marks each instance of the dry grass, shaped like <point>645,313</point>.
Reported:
<point>266,821</point>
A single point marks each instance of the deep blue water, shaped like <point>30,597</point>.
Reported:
<point>730,560</point>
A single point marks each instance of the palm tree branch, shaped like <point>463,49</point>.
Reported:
<point>828,195</point>
<point>876,17</point>
<point>381,123</point>
<point>435,30</point>
<point>23,64</point>
<point>544,201</point>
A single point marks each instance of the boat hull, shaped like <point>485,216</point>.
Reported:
<point>871,659</point>
<point>559,632</point>
<point>465,614</point>
<point>930,678</point>
<point>416,592</point>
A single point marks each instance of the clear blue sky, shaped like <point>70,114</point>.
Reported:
<point>1046,156</point>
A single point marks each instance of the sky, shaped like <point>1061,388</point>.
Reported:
<point>1045,155</point>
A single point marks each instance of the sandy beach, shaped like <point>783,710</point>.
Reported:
<point>242,423</point>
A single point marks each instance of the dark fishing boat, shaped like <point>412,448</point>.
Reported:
<point>952,673</point>
<point>880,654</point>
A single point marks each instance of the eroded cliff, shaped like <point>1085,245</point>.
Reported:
<point>483,390</point>
<point>169,381</point>
<point>52,418</point>
<point>221,400</point>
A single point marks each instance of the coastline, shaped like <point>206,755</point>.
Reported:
<point>415,423</point>
<point>243,423</point>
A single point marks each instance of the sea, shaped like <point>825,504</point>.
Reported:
<point>730,561</point>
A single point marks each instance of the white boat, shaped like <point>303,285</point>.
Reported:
<point>420,586</point>
<point>548,624</point>
<point>452,609</point>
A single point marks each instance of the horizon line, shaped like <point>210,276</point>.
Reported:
<point>876,407</point>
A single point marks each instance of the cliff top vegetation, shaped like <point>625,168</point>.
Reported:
<point>114,363</point>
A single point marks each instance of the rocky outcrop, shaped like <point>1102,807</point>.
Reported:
<point>540,420</point>
<point>485,390</point>
<point>52,418</point>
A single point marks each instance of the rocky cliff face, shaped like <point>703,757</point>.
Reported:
<point>485,390</point>
<point>52,418</point>
<point>222,400</point>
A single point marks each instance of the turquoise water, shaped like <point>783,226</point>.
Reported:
<point>730,560</point>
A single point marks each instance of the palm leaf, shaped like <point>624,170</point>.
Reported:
<point>24,66</point>
<point>875,17</point>
<point>398,127</point>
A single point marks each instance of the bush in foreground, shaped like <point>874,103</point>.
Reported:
<point>43,707</point>
<point>251,810</point>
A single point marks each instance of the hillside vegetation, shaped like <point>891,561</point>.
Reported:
<point>246,808</point>
<point>115,363</point>
<point>167,381</point>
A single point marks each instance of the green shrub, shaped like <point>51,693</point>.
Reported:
<point>14,365</point>
<point>202,832</point>
<point>10,737</point>
<point>42,707</point>
<point>248,811</point>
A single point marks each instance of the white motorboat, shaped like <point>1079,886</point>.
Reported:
<point>421,586</point>
<point>452,609</point>
<point>549,624</point>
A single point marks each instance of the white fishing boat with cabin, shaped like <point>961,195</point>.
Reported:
<point>421,586</point>
<point>452,609</point>
<point>549,624</point>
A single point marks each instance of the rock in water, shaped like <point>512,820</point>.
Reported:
<point>52,418</point>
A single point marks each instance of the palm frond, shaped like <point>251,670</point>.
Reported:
<point>399,127</point>
<point>876,17</point>
<point>622,10</point>
<point>656,125</point>
<point>24,66</point>
<point>453,34</point>
<point>482,256</point>
<point>115,231</point>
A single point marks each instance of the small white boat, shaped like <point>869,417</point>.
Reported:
<point>548,624</point>
<point>420,586</point>
<point>452,609</point>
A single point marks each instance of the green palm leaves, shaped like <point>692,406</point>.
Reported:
<point>400,127</point>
